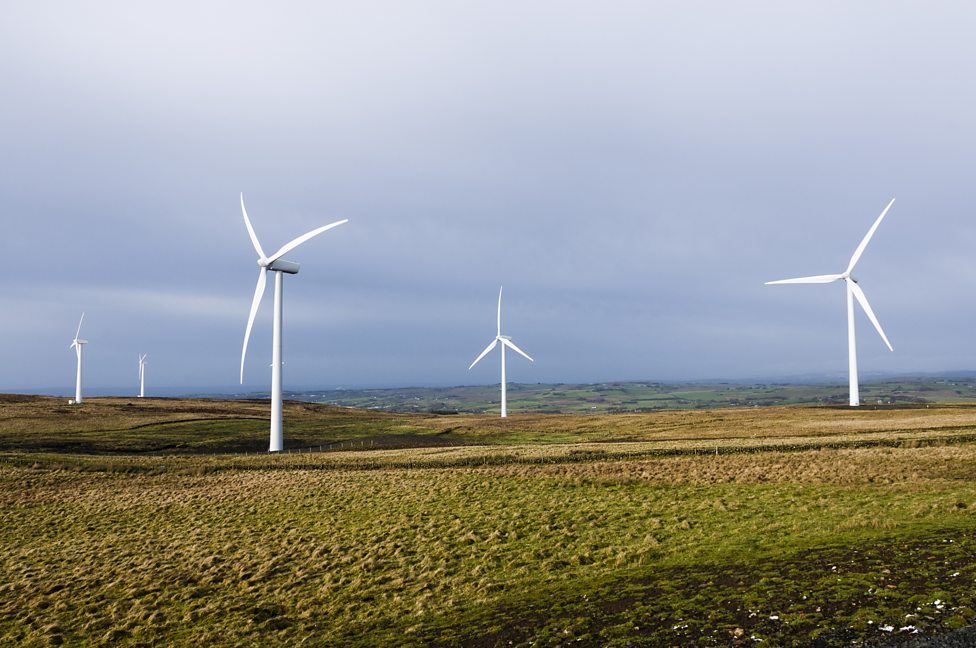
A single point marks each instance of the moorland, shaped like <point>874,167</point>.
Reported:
<point>162,521</point>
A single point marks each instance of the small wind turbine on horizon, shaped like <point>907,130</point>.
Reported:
<point>142,375</point>
<point>275,264</point>
<point>77,343</point>
<point>506,342</point>
<point>853,292</point>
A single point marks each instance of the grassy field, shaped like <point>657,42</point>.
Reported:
<point>160,522</point>
<point>644,396</point>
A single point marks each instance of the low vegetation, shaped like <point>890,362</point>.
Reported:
<point>129,522</point>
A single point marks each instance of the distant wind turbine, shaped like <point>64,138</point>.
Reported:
<point>142,375</point>
<point>506,342</point>
<point>275,264</point>
<point>76,344</point>
<point>853,292</point>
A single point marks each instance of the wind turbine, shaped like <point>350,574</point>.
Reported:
<point>76,344</point>
<point>506,342</point>
<point>277,265</point>
<point>853,292</point>
<point>142,375</point>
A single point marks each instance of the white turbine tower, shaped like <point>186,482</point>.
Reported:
<point>853,292</point>
<point>76,344</point>
<point>276,264</point>
<point>142,375</point>
<point>506,342</point>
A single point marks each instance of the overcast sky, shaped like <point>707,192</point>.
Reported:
<point>632,172</point>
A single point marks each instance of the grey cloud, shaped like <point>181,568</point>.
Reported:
<point>632,172</point>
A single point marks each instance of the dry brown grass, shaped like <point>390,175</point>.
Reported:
<point>180,426</point>
<point>845,466</point>
<point>45,415</point>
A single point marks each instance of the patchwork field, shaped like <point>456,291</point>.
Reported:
<point>645,396</point>
<point>161,522</point>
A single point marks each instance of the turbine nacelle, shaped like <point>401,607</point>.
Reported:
<point>280,265</point>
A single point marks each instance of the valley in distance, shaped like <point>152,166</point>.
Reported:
<point>626,396</point>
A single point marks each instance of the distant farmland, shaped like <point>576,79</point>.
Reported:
<point>643,396</point>
<point>161,521</point>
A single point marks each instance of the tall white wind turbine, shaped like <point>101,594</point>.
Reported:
<point>506,342</point>
<point>77,343</point>
<point>278,266</point>
<point>142,375</point>
<point>853,292</point>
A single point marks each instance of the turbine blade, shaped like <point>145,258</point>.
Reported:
<point>511,345</point>
<point>258,294</point>
<point>867,238</point>
<point>818,279</point>
<point>250,231</point>
<point>500,310</point>
<point>863,301</point>
<point>78,332</point>
<point>484,353</point>
<point>288,247</point>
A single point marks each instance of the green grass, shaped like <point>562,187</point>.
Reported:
<point>539,530</point>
